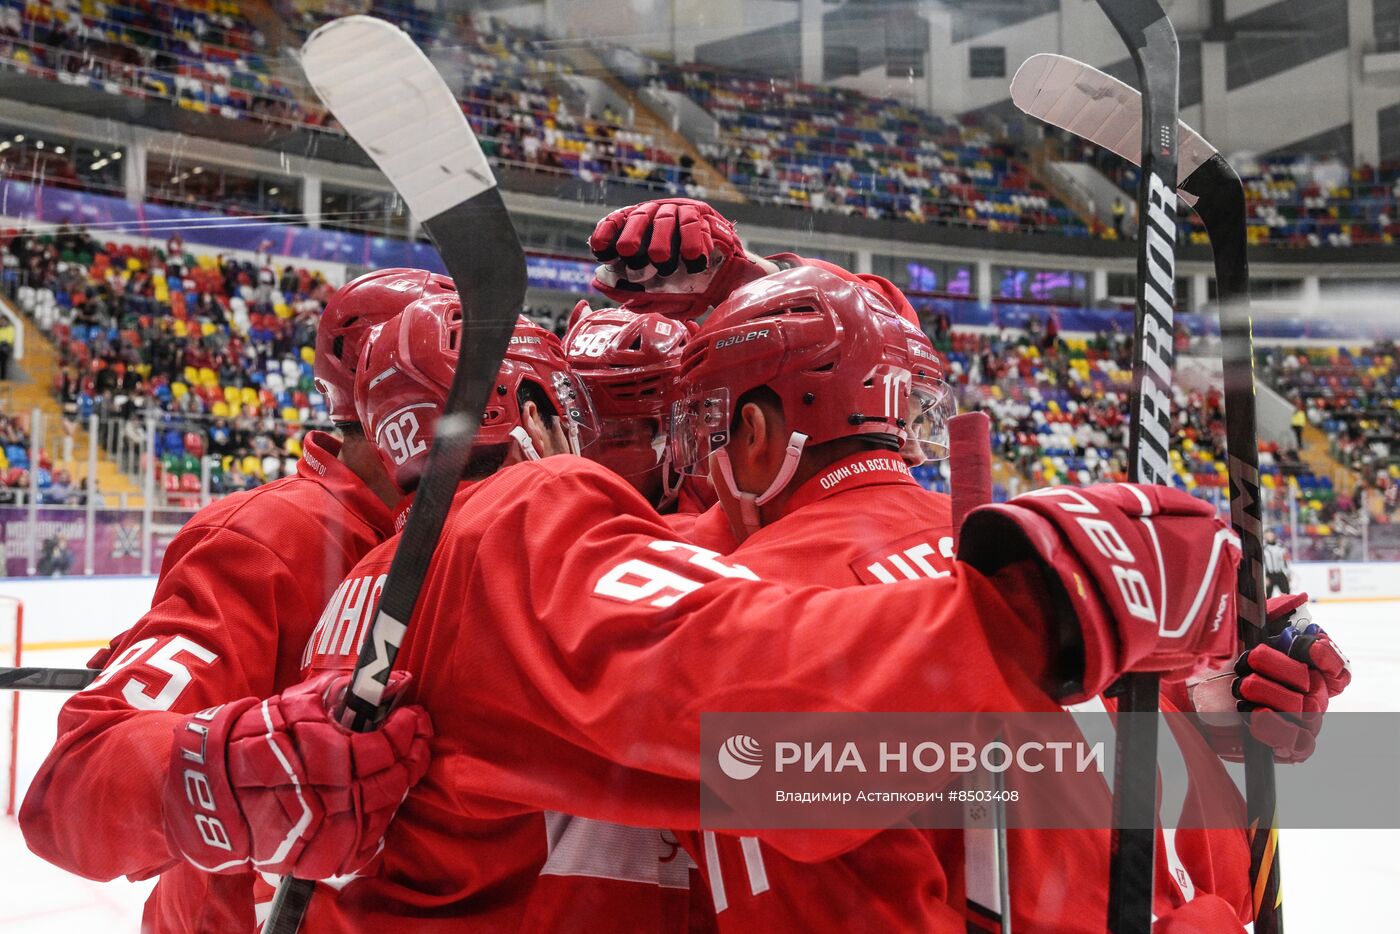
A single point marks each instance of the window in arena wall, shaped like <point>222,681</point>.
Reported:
<point>1023,284</point>
<point>920,276</point>
<point>1122,287</point>
<point>381,212</point>
<point>986,61</point>
<point>1261,288</point>
<point>45,159</point>
<point>230,190</point>
<point>842,258</point>
<point>554,236</point>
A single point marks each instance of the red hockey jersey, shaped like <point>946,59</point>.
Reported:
<point>864,520</point>
<point>240,588</point>
<point>565,645</point>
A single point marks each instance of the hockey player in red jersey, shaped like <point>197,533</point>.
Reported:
<point>565,643</point>
<point>239,591</point>
<point>535,412</point>
<point>627,362</point>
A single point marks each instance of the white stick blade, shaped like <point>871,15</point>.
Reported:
<point>1092,105</point>
<point>386,93</point>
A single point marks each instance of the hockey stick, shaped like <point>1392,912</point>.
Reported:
<point>1097,107</point>
<point>376,82</point>
<point>986,876</point>
<point>47,679</point>
<point>1151,41</point>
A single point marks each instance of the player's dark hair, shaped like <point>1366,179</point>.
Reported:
<point>483,462</point>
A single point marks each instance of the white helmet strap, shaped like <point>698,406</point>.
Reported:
<point>527,446</point>
<point>749,502</point>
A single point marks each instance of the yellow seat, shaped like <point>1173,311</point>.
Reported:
<point>249,396</point>
<point>181,330</point>
<point>191,375</point>
<point>290,414</point>
<point>231,395</point>
<point>179,390</point>
<point>281,310</point>
<point>308,355</point>
<point>294,447</point>
<point>207,328</point>
<point>219,410</point>
<point>208,377</point>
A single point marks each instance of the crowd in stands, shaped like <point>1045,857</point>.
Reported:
<point>204,55</point>
<point>1352,395</point>
<point>218,350</point>
<point>826,148</point>
<point>1297,202</point>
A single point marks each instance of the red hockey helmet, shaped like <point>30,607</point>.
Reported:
<point>356,307</point>
<point>628,362</point>
<point>835,352</point>
<point>406,369</point>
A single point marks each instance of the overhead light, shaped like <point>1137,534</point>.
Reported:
<point>117,154</point>
<point>60,150</point>
<point>273,191</point>
<point>5,145</point>
<point>38,144</point>
<point>99,164</point>
<point>197,169</point>
<point>97,154</point>
<point>19,137</point>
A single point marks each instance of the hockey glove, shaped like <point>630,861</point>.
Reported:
<point>281,787</point>
<point>673,256</point>
<point>1143,578</point>
<point>1285,684</point>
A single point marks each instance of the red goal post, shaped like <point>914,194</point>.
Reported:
<point>11,651</point>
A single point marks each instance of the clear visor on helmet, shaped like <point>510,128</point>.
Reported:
<point>931,404</point>
<point>629,446</point>
<point>579,422</point>
<point>699,427</point>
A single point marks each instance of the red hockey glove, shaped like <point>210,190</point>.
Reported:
<point>1285,684</point>
<point>1147,576</point>
<point>279,785</point>
<point>673,256</point>
<point>1204,914</point>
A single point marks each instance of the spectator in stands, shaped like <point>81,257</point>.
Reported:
<point>7,345</point>
<point>1300,421</point>
<point>1120,213</point>
<point>56,559</point>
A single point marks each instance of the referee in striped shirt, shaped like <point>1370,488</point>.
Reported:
<point>1276,570</point>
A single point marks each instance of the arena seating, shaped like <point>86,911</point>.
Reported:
<point>204,55</point>
<point>825,148</point>
<point>1299,203</point>
<point>221,350</point>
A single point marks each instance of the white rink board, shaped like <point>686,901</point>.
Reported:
<point>1333,880</point>
<point>1355,581</point>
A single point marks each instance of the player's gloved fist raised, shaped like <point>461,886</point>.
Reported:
<point>1143,577</point>
<point>674,256</point>
<point>1284,684</point>
<point>280,786</point>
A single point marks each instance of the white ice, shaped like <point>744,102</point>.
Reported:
<point>1332,880</point>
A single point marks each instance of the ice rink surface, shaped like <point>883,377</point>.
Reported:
<point>1333,880</point>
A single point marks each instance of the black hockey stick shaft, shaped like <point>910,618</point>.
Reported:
<point>1220,205</point>
<point>447,182</point>
<point>47,679</point>
<point>1151,41</point>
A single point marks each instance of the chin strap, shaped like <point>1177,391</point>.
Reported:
<point>749,502</point>
<point>521,437</point>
